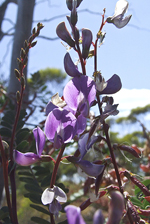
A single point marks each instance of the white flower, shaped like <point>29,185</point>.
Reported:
<point>50,194</point>
<point>118,18</point>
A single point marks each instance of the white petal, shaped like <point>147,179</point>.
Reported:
<point>121,7</point>
<point>48,196</point>
<point>121,23</point>
<point>60,195</point>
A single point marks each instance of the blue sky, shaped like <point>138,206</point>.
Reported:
<point>125,52</point>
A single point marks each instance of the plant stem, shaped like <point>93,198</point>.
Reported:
<point>5,174</point>
<point>79,51</point>
<point>53,179</point>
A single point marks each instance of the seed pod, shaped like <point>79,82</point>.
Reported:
<point>23,82</point>
<point>142,187</point>
<point>133,212</point>
<point>127,149</point>
<point>144,212</point>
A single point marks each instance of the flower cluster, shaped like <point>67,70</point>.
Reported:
<point>67,116</point>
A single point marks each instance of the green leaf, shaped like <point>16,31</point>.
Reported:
<point>24,173</point>
<point>22,145</point>
<point>46,181</point>
<point>21,136</point>
<point>6,124</point>
<point>5,132</point>
<point>32,188</point>
<point>28,180</point>
<point>40,209</point>
<point>39,220</point>
<point>35,198</point>
<point>136,201</point>
<point>63,222</point>
<point>3,214</point>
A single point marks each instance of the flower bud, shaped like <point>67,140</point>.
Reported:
<point>63,34</point>
<point>98,217</point>
<point>69,3</point>
<point>74,17</point>
<point>18,96</point>
<point>17,73</point>
<point>116,208</point>
<point>86,42</point>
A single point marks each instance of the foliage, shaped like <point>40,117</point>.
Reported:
<point>76,146</point>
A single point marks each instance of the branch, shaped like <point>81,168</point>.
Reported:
<point>48,38</point>
<point>3,8</point>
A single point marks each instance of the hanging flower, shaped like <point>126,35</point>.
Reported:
<point>60,127</point>
<point>118,18</point>
<point>79,94</point>
<point>53,197</point>
<point>29,158</point>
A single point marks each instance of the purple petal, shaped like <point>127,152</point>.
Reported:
<point>55,207</point>
<point>116,208</point>
<point>84,146</point>
<point>81,124</point>
<point>60,126</point>
<point>39,139</point>
<point>49,107</point>
<point>78,92</point>
<point>63,34</point>
<point>98,217</point>
<point>91,169</point>
<point>74,215</point>
<point>70,68</point>
<point>25,159</point>
<point>113,85</point>
<point>86,42</point>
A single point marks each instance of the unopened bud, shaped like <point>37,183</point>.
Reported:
<point>22,53</point>
<point>23,81</point>
<point>33,44</point>
<point>86,42</point>
<point>25,44</point>
<point>17,73</point>
<point>74,17</point>
<point>34,30</point>
<point>18,96</point>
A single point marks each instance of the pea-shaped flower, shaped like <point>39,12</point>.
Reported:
<point>53,197</point>
<point>118,18</point>
<point>79,94</point>
<point>29,158</point>
<point>60,126</point>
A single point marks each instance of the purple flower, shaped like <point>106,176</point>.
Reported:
<point>86,42</point>
<point>70,68</point>
<point>111,86</point>
<point>84,145</point>
<point>79,94</point>
<point>53,196</point>
<point>63,34</point>
<point>116,208</point>
<point>74,215</point>
<point>29,158</point>
<point>60,127</point>
<point>91,169</point>
<point>118,18</point>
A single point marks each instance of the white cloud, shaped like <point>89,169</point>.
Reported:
<point>131,98</point>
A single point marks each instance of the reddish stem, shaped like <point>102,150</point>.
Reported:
<point>5,174</point>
